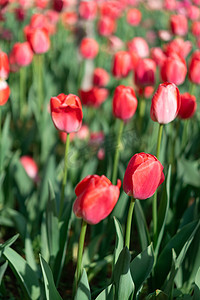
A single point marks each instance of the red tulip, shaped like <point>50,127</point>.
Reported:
<point>82,134</point>
<point>143,176</point>
<point>196,28</point>
<point>140,46</point>
<point>193,12</point>
<point>4,65</point>
<point>145,92</point>
<point>114,43</point>
<point>165,103</point>
<point>89,48</point>
<point>124,102</point>
<point>122,64</point>
<point>133,17</point>
<point>179,46</point>
<point>20,14</point>
<point>194,67</point>
<point>41,3</point>
<point>66,112</point>
<point>100,77</point>
<point>4,92</point>
<point>22,53</point>
<point>174,69</point>
<point>188,106</point>
<point>96,198</point>
<point>38,39</point>
<point>179,25</point>
<point>88,10</point>
<point>106,26</point>
<point>30,167</point>
<point>93,97</point>
<point>158,55</point>
<point>145,72</point>
<point>112,9</point>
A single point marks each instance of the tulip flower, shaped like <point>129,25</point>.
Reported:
<point>165,103</point>
<point>124,102</point>
<point>66,112</point>
<point>122,64</point>
<point>145,72</point>
<point>38,39</point>
<point>96,198</point>
<point>100,77</point>
<point>179,46</point>
<point>4,92</point>
<point>89,48</point>
<point>93,97</point>
<point>23,54</point>
<point>188,106</point>
<point>133,17</point>
<point>194,67</point>
<point>4,65</point>
<point>179,25</point>
<point>67,115</point>
<point>140,46</point>
<point>106,26</point>
<point>158,56</point>
<point>88,10</point>
<point>174,69</point>
<point>196,28</point>
<point>30,167</point>
<point>142,177</point>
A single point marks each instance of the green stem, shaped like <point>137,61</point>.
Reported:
<point>64,176</point>
<point>192,88</point>
<point>128,225</point>
<point>141,112</point>
<point>0,142</point>
<point>116,159</point>
<point>38,74</point>
<point>22,75</point>
<point>185,134</point>
<point>154,208</point>
<point>80,253</point>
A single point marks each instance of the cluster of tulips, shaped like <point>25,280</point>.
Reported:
<point>103,61</point>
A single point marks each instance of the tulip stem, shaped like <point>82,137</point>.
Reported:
<point>116,159</point>
<point>22,76</point>
<point>129,220</point>
<point>154,208</point>
<point>64,176</point>
<point>0,141</point>
<point>142,112</point>
<point>80,253</point>
<point>192,88</point>
<point>39,78</point>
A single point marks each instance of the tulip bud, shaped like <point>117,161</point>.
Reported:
<point>140,46</point>
<point>188,106</point>
<point>196,28</point>
<point>89,48</point>
<point>124,102</point>
<point>66,112</point>
<point>158,55</point>
<point>165,103</point>
<point>93,97</point>
<point>38,39</point>
<point>179,25</point>
<point>4,65</point>
<point>194,67</point>
<point>133,17</point>
<point>96,198</point>
<point>106,26</point>
<point>4,92</point>
<point>143,176</point>
<point>174,69</point>
<point>145,72</point>
<point>30,167</point>
<point>122,64</point>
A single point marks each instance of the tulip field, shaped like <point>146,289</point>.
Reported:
<point>99,149</point>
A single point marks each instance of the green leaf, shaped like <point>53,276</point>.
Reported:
<point>141,267</point>
<point>119,244</point>
<point>107,293</point>
<point>189,171</point>
<point>23,272</point>
<point>142,226</point>
<point>163,210</point>
<point>8,243</point>
<point>90,167</point>
<point>122,276</point>
<point>5,141</point>
<point>196,295</point>
<point>83,291</point>
<point>180,244</point>
<point>3,268</point>
<point>50,289</point>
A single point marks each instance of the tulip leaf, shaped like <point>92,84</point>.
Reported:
<point>50,289</point>
<point>189,171</point>
<point>3,268</point>
<point>180,244</point>
<point>107,293</point>
<point>89,168</point>
<point>8,243</point>
<point>83,291</point>
<point>157,295</point>
<point>196,295</point>
<point>24,273</point>
<point>142,226</point>
<point>141,267</point>
<point>124,285</point>
<point>119,244</point>
<point>5,141</point>
<point>163,210</point>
